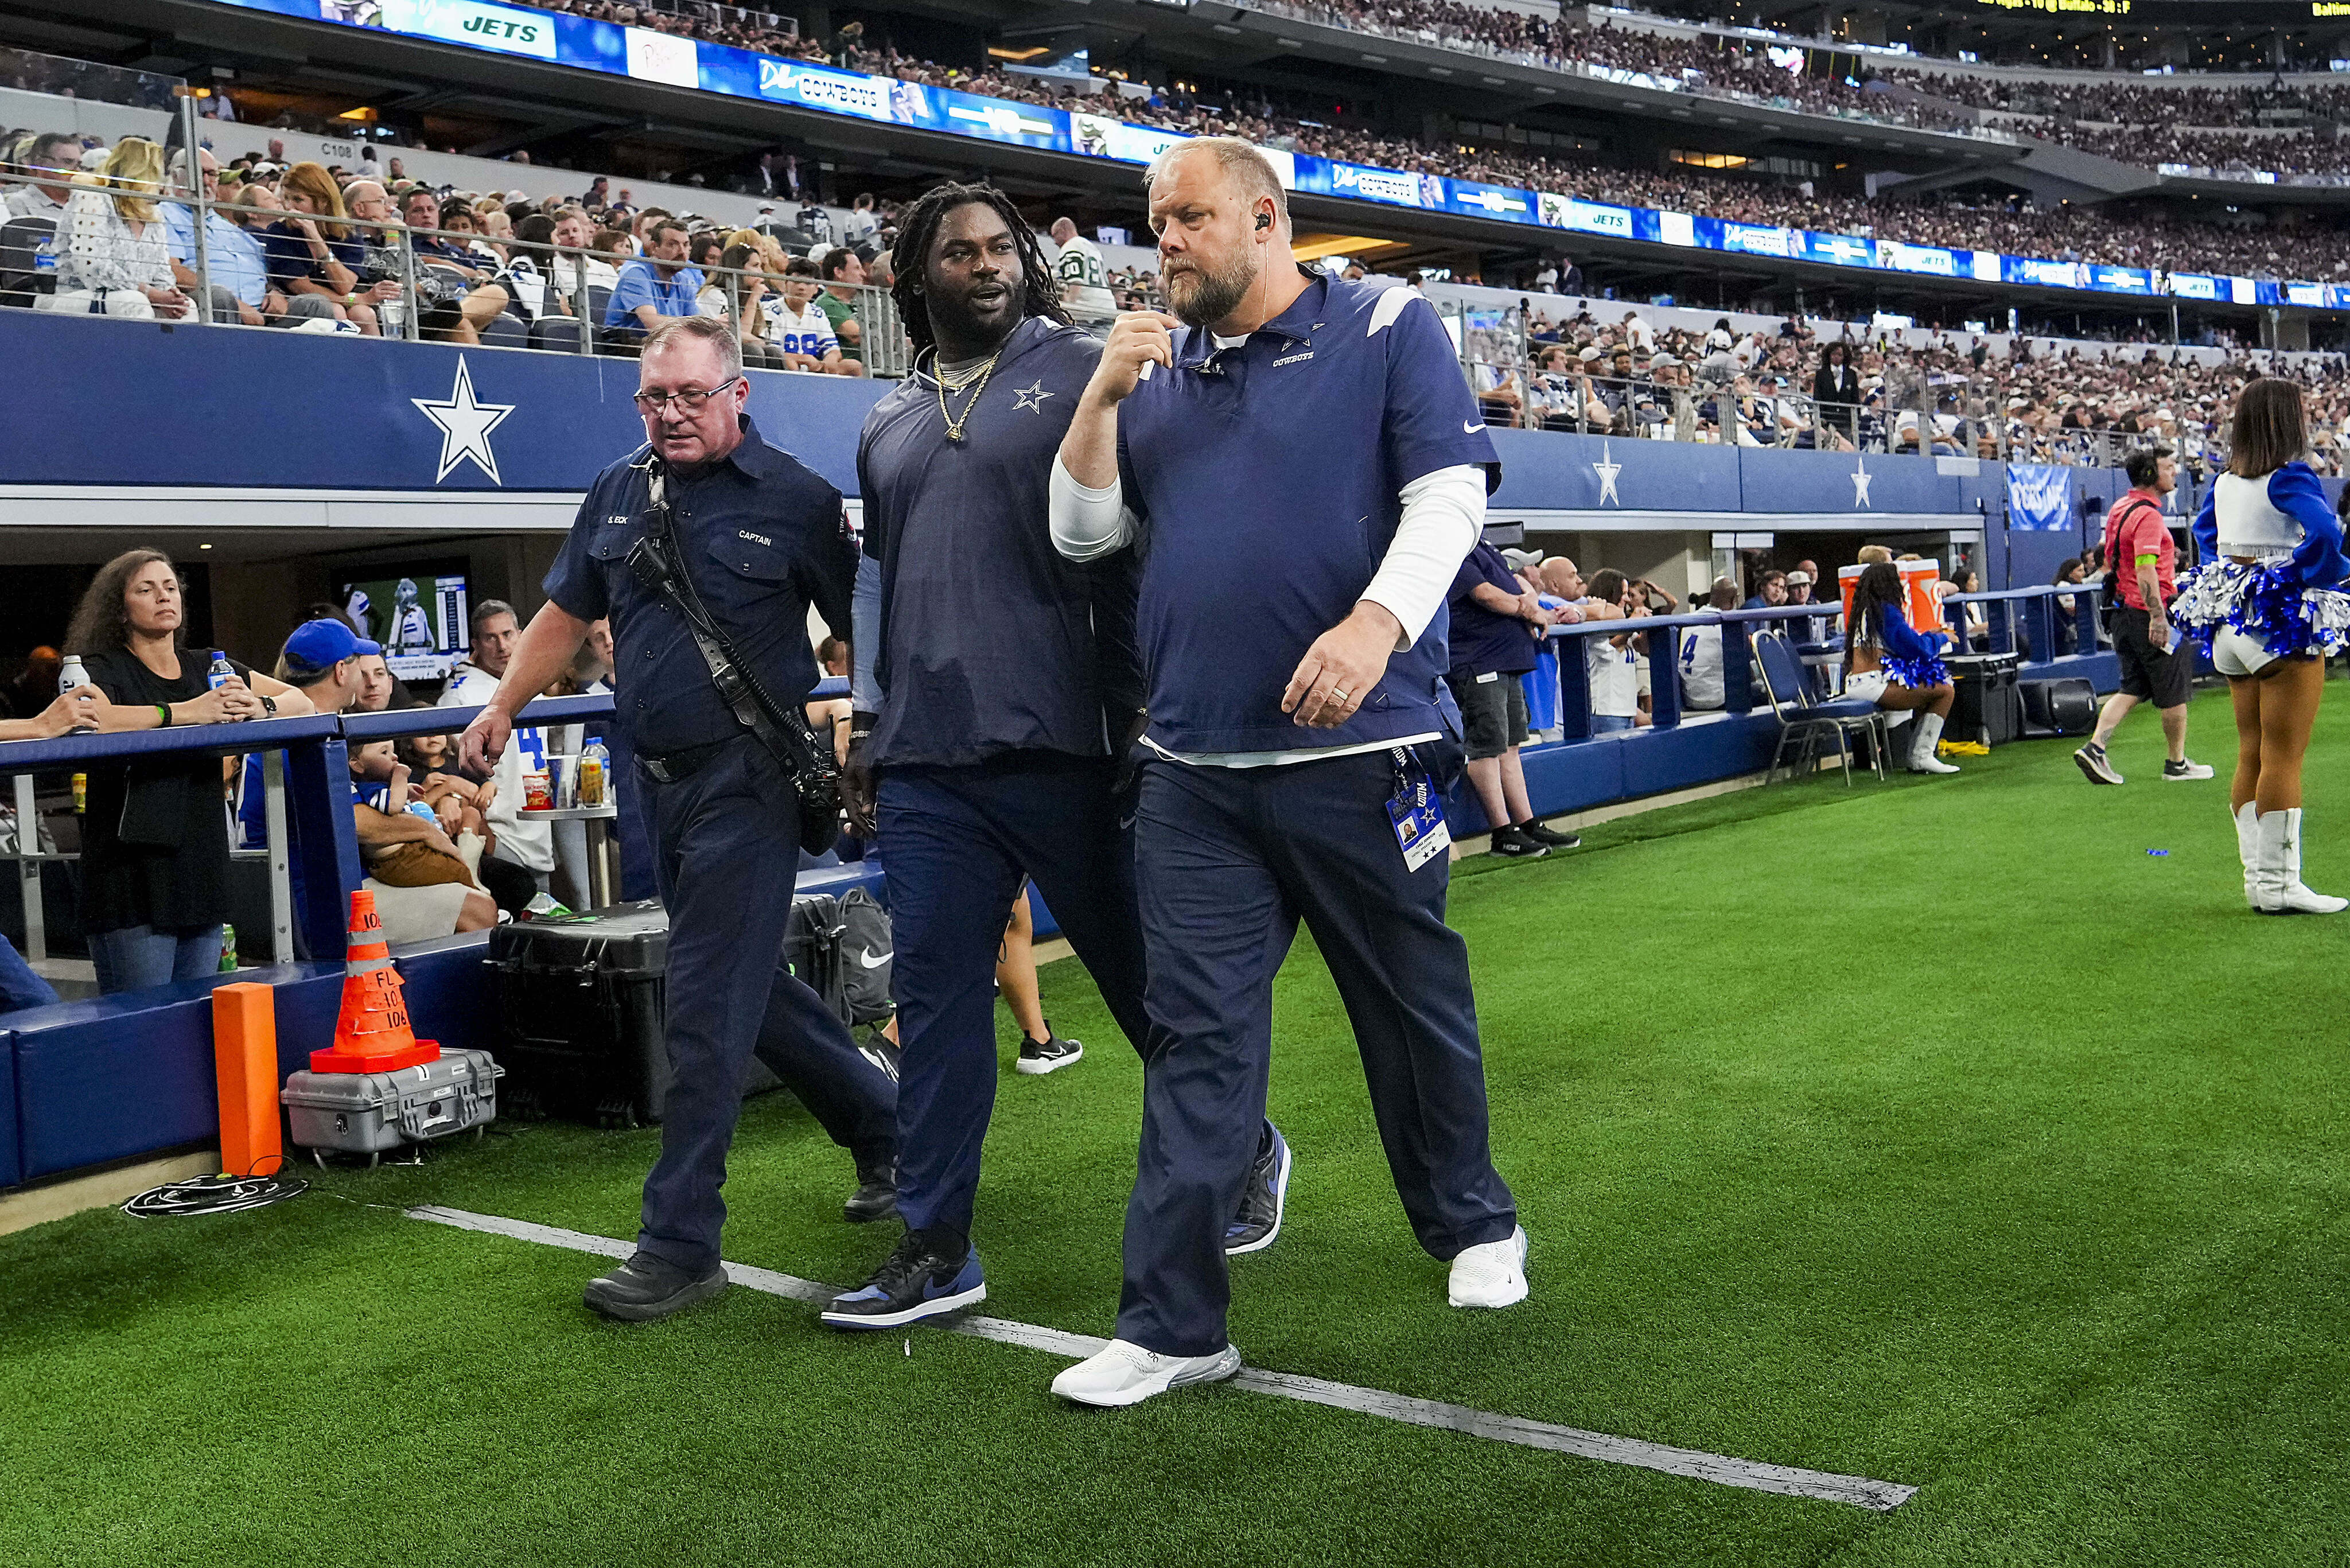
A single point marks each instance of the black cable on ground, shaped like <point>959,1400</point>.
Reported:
<point>213,1195</point>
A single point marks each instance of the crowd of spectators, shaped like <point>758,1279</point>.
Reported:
<point>1708,64</point>
<point>288,254</point>
<point>2233,245</point>
<point>2310,249</point>
<point>2144,126</point>
<point>2306,246</point>
<point>296,244</point>
<point>1607,370</point>
<point>2280,127</point>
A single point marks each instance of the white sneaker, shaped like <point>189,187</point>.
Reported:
<point>1123,1373</point>
<point>1489,1274</point>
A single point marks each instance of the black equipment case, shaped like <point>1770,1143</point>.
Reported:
<point>1987,708</point>
<point>582,1006</point>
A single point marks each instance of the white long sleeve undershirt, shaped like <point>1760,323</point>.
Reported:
<point>1443,512</point>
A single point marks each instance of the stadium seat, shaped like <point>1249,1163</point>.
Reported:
<point>502,331</point>
<point>557,334</point>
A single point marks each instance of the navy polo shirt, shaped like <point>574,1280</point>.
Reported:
<point>991,640</point>
<point>1267,480</point>
<point>761,538</point>
<point>1484,641</point>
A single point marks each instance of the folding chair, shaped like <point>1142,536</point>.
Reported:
<point>1804,722</point>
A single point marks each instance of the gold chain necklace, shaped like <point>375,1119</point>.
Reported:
<point>976,380</point>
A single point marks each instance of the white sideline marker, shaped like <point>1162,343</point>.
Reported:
<point>1859,1492</point>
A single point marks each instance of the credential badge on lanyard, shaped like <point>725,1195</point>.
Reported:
<point>1415,813</point>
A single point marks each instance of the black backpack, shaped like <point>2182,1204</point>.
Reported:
<point>866,954</point>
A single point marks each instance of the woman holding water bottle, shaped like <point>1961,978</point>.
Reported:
<point>154,864</point>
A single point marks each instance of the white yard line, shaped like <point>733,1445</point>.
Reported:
<point>1858,1490</point>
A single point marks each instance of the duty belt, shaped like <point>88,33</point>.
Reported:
<point>684,764</point>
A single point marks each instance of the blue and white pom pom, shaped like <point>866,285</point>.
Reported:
<point>1917,674</point>
<point>2265,603</point>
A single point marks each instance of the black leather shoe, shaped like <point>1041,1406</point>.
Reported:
<point>877,1193</point>
<point>645,1288</point>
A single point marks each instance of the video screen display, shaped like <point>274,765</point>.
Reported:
<point>420,619</point>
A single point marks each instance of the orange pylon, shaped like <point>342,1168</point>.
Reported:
<point>371,1031</point>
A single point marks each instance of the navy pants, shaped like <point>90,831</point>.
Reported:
<point>1227,861</point>
<point>957,843</point>
<point>726,843</point>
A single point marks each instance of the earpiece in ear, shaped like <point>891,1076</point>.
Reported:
<point>1264,220</point>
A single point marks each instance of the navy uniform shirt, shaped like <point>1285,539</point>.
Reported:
<point>762,539</point>
<point>1484,641</point>
<point>991,641</point>
<point>1266,478</point>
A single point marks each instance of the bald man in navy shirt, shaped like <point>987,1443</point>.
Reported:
<point>1302,469</point>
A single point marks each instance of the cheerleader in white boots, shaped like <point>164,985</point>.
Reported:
<point>2268,605</point>
<point>1887,662</point>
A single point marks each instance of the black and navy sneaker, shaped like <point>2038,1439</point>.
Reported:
<point>1048,1055</point>
<point>1258,1218</point>
<point>1549,837</point>
<point>920,1279</point>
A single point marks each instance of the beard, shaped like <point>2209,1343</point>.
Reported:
<point>1200,294</point>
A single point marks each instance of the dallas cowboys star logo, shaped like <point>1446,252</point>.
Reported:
<point>466,426</point>
<point>1607,468</point>
<point>1031,397</point>
<point>1860,478</point>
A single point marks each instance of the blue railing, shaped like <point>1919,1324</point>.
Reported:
<point>2034,610</point>
<point>311,794</point>
<point>313,797</point>
<point>2035,613</point>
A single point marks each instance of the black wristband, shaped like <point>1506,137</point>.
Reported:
<point>861,723</point>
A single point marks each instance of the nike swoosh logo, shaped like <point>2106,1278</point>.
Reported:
<point>1468,428</point>
<point>867,961</point>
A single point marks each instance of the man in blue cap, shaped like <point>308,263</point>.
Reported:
<point>321,660</point>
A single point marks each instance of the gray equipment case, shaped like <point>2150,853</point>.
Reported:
<point>368,1113</point>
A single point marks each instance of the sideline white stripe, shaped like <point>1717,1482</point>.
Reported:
<point>1858,1490</point>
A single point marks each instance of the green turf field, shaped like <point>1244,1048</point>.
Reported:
<point>1933,1132</point>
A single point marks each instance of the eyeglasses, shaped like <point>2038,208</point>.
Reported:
<point>689,399</point>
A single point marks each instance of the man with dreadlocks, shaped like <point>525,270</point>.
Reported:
<point>995,688</point>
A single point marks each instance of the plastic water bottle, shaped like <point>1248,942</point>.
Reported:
<point>221,671</point>
<point>45,254</point>
<point>71,674</point>
<point>595,774</point>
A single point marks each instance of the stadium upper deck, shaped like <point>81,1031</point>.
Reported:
<point>1645,187</point>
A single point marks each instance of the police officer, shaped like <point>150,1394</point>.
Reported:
<point>996,684</point>
<point>761,537</point>
<point>1305,469</point>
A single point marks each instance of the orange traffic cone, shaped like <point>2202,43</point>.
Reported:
<point>371,1033</point>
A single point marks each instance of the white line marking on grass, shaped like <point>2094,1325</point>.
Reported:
<point>1720,1468</point>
